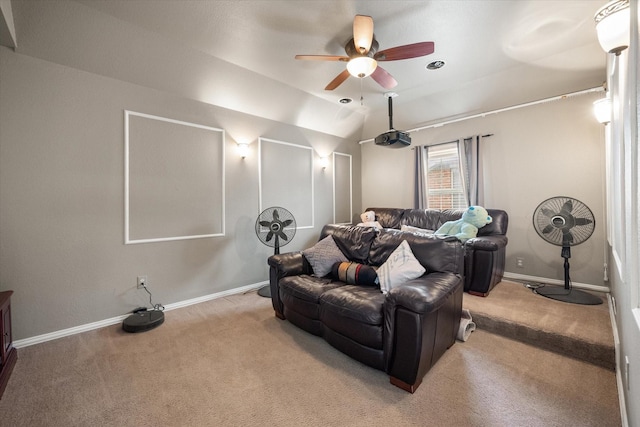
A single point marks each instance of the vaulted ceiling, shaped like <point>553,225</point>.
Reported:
<point>497,53</point>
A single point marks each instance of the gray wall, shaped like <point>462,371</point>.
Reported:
<point>62,198</point>
<point>536,152</point>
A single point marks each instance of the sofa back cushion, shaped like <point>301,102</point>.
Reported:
<point>428,219</point>
<point>499,224</point>
<point>432,219</point>
<point>435,253</point>
<point>389,217</point>
<point>354,242</point>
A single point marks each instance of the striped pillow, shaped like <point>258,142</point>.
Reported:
<point>353,273</point>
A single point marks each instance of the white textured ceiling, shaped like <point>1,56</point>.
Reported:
<point>498,53</point>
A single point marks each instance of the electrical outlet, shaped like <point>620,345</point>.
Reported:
<point>520,262</point>
<point>142,281</point>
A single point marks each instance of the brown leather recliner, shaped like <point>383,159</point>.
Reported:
<point>403,332</point>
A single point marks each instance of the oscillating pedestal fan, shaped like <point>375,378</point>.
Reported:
<point>565,222</point>
<point>275,227</point>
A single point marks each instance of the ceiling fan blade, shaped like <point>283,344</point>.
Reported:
<point>405,52</point>
<point>383,78</point>
<point>323,58</point>
<point>338,80</point>
<point>362,33</point>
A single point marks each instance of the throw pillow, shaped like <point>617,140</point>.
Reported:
<point>399,268</point>
<point>353,273</point>
<point>323,255</point>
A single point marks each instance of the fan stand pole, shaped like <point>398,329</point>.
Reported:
<point>568,294</point>
<point>265,291</point>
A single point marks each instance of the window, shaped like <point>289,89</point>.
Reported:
<point>444,180</point>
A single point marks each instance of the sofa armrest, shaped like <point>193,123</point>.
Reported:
<point>422,318</point>
<point>487,243</point>
<point>484,263</point>
<point>288,264</point>
<point>283,265</point>
<point>424,294</point>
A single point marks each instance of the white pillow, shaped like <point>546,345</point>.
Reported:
<point>412,229</point>
<point>399,268</point>
<point>323,255</point>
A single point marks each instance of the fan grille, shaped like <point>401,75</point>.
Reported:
<point>563,221</point>
<point>275,226</point>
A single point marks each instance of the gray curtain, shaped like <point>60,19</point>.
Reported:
<point>421,195</point>
<point>471,169</point>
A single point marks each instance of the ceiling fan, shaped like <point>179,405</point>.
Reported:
<point>363,55</point>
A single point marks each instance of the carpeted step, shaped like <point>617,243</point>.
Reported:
<point>578,331</point>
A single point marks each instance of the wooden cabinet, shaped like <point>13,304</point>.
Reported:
<point>8,354</point>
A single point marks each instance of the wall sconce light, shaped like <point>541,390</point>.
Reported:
<point>324,162</point>
<point>612,26</point>
<point>602,110</point>
<point>243,149</point>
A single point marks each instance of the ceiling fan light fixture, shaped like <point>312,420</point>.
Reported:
<point>612,26</point>
<point>362,55</point>
<point>362,66</point>
<point>362,33</point>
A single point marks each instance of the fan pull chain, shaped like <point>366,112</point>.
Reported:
<point>361,97</point>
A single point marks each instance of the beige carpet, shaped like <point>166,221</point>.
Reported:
<point>514,311</point>
<point>230,362</point>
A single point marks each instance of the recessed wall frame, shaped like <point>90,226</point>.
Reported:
<point>174,181</point>
<point>285,178</point>
<point>342,188</point>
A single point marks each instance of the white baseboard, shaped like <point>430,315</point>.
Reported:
<point>620,383</point>
<point>585,286</point>
<point>114,320</point>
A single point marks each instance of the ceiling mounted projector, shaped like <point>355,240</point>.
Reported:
<point>393,138</point>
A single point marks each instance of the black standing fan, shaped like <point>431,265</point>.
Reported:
<point>565,222</point>
<point>275,227</point>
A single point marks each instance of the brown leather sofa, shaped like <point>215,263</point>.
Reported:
<point>484,255</point>
<point>403,332</point>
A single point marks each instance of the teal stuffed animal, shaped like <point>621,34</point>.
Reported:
<point>466,228</point>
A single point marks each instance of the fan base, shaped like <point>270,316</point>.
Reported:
<point>265,291</point>
<point>568,295</point>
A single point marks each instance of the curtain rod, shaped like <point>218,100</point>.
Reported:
<point>501,110</point>
<point>449,142</point>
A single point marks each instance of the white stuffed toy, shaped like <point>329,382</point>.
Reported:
<point>466,228</point>
<point>369,220</point>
